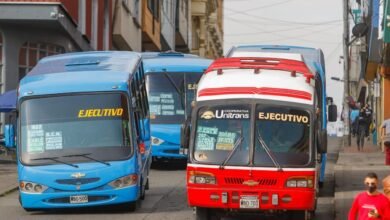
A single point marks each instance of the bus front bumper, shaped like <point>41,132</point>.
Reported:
<point>252,200</point>
<point>167,152</point>
<point>79,198</point>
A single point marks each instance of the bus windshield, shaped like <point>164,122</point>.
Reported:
<point>222,135</point>
<point>286,132</point>
<point>170,96</point>
<point>58,126</point>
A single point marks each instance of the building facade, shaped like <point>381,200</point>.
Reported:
<point>127,25</point>
<point>207,28</point>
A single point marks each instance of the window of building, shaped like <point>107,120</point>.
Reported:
<point>154,7</point>
<point>31,53</point>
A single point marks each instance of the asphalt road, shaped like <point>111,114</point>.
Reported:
<point>166,199</point>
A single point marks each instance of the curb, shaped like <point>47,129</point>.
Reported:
<point>8,191</point>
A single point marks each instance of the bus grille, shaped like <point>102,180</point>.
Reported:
<point>90,199</point>
<point>262,181</point>
<point>77,181</point>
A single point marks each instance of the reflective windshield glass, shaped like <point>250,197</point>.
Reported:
<point>95,124</point>
<point>170,96</point>
<point>286,132</point>
<point>220,131</point>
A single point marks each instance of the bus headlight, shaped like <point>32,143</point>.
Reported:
<point>201,178</point>
<point>157,141</point>
<point>31,187</point>
<point>124,181</point>
<point>300,182</point>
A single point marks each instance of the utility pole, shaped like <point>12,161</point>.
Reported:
<point>346,111</point>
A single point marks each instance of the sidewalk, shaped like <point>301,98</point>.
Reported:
<point>351,167</point>
<point>8,174</point>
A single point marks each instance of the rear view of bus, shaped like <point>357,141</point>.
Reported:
<point>83,132</point>
<point>252,143</point>
<point>171,80</point>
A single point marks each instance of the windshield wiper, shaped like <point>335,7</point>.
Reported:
<point>176,88</point>
<point>235,147</point>
<point>88,157</point>
<point>56,160</point>
<point>268,151</point>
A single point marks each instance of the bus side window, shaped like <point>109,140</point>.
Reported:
<point>140,105</point>
<point>134,105</point>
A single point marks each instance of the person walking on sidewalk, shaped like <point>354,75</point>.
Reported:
<point>370,204</point>
<point>362,128</point>
<point>385,133</point>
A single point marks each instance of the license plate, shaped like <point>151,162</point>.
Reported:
<point>183,151</point>
<point>249,203</point>
<point>79,199</point>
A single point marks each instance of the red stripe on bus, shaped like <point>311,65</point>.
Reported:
<point>253,90</point>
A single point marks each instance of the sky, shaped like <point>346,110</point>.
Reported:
<point>310,23</point>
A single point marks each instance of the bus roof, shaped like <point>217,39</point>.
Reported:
<point>173,62</point>
<point>80,72</point>
<point>313,57</point>
<point>247,81</point>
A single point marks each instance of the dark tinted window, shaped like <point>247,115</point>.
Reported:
<point>286,132</point>
<point>56,126</point>
<point>170,96</point>
<point>219,130</point>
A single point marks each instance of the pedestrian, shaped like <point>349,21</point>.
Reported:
<point>362,128</point>
<point>386,186</point>
<point>353,117</point>
<point>370,204</point>
<point>368,118</point>
<point>385,133</point>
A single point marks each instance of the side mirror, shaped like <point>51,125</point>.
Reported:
<point>332,113</point>
<point>9,136</point>
<point>185,136</point>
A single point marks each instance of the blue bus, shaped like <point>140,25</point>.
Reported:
<point>314,58</point>
<point>83,133</point>
<point>171,82</point>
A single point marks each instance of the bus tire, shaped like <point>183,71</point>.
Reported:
<point>203,214</point>
<point>147,184</point>
<point>302,215</point>
<point>130,206</point>
<point>29,210</point>
<point>142,191</point>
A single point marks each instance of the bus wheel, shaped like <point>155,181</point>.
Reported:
<point>302,215</point>
<point>143,191</point>
<point>202,214</point>
<point>130,206</point>
<point>147,184</point>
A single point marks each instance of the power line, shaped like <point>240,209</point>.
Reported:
<point>263,6</point>
<point>270,32</point>
<point>283,21</point>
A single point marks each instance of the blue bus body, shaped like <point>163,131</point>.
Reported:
<point>314,58</point>
<point>80,141</point>
<point>171,80</point>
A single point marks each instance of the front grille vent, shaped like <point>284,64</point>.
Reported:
<point>77,181</point>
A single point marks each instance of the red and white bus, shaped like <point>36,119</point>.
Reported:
<point>252,140</point>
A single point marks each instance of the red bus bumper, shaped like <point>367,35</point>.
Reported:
<point>263,189</point>
<point>288,199</point>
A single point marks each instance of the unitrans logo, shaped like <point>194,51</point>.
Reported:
<point>207,115</point>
